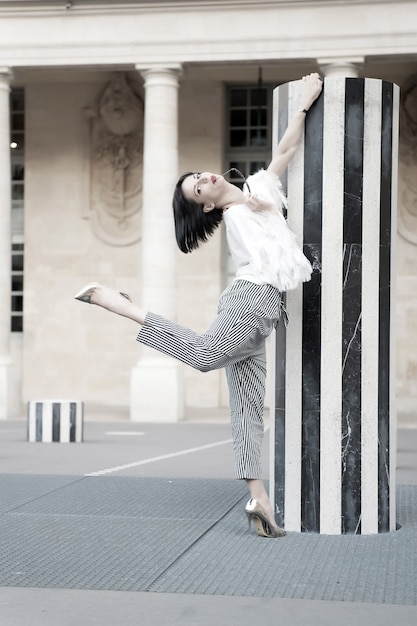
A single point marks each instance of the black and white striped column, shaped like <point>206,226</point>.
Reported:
<point>55,421</point>
<point>333,467</point>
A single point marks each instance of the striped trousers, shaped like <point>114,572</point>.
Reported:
<point>247,314</point>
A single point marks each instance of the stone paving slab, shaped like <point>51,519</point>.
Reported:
<point>66,607</point>
<point>89,552</point>
<point>373,568</point>
<point>189,536</point>
<point>17,490</point>
<point>106,533</point>
<point>140,498</point>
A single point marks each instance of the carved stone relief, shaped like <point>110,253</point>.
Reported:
<point>116,161</point>
<point>407,215</point>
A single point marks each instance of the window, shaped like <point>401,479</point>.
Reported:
<point>248,143</point>
<point>17,144</point>
<point>248,137</point>
<point>17,287</point>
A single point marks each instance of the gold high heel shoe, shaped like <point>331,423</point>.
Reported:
<point>86,292</point>
<point>256,514</point>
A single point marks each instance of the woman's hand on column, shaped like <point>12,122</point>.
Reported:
<point>311,88</point>
<point>310,91</point>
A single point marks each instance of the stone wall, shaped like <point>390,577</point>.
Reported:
<point>70,350</point>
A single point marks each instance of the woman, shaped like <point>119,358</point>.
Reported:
<point>268,262</point>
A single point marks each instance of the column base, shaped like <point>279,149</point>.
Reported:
<point>157,391</point>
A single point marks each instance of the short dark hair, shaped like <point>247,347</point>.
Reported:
<point>192,225</point>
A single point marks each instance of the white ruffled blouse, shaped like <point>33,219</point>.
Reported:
<point>263,248</point>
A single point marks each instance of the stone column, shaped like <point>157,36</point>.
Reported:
<point>5,241</point>
<point>156,383</point>
<point>334,415</point>
<point>333,67</point>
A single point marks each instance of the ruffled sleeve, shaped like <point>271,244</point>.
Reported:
<point>261,244</point>
<point>268,186</point>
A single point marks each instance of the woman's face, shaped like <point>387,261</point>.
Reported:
<point>205,188</point>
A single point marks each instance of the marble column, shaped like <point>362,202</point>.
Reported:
<point>334,420</point>
<point>5,241</point>
<point>156,382</point>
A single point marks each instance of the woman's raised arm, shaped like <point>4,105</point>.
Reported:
<point>284,152</point>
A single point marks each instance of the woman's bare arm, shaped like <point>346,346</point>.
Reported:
<point>311,89</point>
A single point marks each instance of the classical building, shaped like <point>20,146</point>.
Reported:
<point>108,102</point>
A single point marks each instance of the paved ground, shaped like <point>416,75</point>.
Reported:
<point>144,522</point>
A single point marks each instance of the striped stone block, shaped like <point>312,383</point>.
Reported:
<point>55,421</point>
<point>334,420</point>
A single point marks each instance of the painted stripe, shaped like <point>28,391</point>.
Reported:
<point>354,128</point>
<point>331,310</point>
<point>124,433</point>
<point>281,115</point>
<point>272,371</point>
<point>39,422</point>
<point>392,406</point>
<point>352,294</point>
<point>278,430</point>
<point>56,421</point>
<point>155,459</point>
<point>46,409</point>
<point>385,308</point>
<point>65,422</point>
<point>370,313</point>
<point>293,386</point>
<point>311,327</point>
<point>73,422</point>
<point>277,364</point>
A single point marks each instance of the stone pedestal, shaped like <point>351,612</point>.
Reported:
<point>59,421</point>
<point>334,416</point>
<point>156,381</point>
